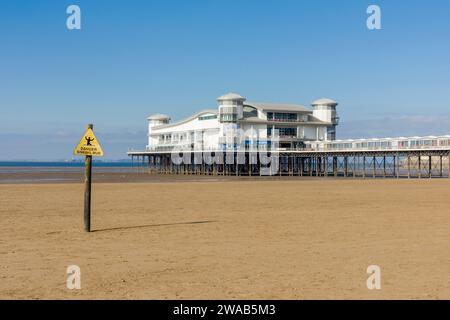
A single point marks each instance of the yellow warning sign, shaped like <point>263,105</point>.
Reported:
<point>89,145</point>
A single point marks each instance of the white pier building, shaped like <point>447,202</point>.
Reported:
<point>236,123</point>
<point>240,136</point>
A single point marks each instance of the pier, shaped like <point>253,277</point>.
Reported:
<point>426,157</point>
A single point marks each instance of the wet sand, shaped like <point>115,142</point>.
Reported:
<point>33,175</point>
<point>232,239</point>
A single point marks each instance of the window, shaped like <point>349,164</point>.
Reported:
<point>283,132</point>
<point>214,116</point>
<point>224,110</point>
<point>282,117</point>
<point>331,133</point>
<point>228,117</point>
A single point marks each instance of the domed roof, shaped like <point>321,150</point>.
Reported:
<point>158,116</point>
<point>231,96</point>
<point>324,102</point>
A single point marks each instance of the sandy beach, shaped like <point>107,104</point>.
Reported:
<point>227,239</point>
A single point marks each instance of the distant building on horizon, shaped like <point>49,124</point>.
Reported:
<point>217,129</point>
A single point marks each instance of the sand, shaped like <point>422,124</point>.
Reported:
<point>293,239</point>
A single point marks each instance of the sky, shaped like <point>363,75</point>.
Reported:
<point>133,58</point>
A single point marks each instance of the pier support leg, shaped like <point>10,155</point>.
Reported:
<point>345,166</point>
<point>280,164</point>
<point>317,160</point>
<point>448,155</point>
<point>420,167</point>
<point>291,165</point>
<point>409,166</point>
<point>335,173</point>
<point>359,166</point>
<point>374,166</point>
<point>394,172</point>
<point>397,166</point>
<point>301,166</point>
<point>364,167</point>
<point>430,166</point>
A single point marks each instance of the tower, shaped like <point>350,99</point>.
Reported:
<point>153,121</point>
<point>231,109</point>
<point>325,110</point>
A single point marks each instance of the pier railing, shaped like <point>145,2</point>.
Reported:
<point>388,144</point>
<point>441,143</point>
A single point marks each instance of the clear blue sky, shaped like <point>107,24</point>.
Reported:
<point>134,58</point>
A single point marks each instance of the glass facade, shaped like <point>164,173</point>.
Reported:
<point>228,114</point>
<point>283,132</point>
<point>282,117</point>
<point>208,117</point>
<point>331,133</point>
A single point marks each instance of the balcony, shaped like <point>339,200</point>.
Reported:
<point>285,120</point>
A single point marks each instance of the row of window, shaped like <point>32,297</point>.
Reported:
<point>323,107</point>
<point>231,103</point>
<point>214,116</point>
<point>388,144</point>
<point>278,116</point>
<point>227,110</point>
<point>283,132</point>
<point>228,118</point>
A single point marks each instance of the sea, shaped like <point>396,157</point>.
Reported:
<point>62,166</point>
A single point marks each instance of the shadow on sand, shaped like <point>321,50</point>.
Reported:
<point>155,225</point>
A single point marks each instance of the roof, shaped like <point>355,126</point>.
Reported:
<point>278,106</point>
<point>324,102</point>
<point>158,116</point>
<point>312,121</point>
<point>389,139</point>
<point>231,96</point>
<point>198,114</point>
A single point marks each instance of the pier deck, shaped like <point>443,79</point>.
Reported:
<point>430,162</point>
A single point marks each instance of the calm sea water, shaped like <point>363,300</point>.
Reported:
<point>62,164</point>
<point>34,166</point>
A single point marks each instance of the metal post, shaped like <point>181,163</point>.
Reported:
<point>420,167</point>
<point>280,164</point>
<point>345,166</point>
<point>317,166</point>
<point>301,166</point>
<point>374,166</point>
<point>291,162</point>
<point>364,167</point>
<point>448,155</point>
<point>430,159</point>
<point>236,166</point>
<point>335,167</point>
<point>397,168</point>
<point>409,166</point>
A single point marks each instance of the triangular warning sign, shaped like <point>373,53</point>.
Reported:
<point>89,145</point>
